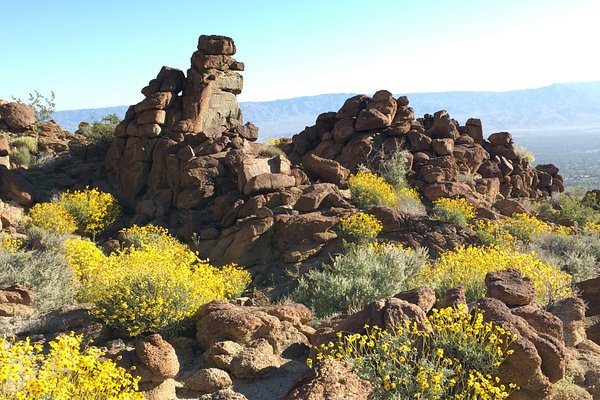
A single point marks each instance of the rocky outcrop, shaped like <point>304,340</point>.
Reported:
<point>366,130</point>
<point>16,117</point>
<point>590,292</point>
<point>251,341</point>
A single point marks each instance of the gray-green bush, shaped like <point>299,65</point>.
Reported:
<point>45,273</point>
<point>365,274</point>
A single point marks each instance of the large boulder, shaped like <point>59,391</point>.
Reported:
<point>18,116</point>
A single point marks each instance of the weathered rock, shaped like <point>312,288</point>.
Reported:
<point>571,311</point>
<point>326,170</point>
<point>159,356</point>
<point>422,296</point>
<point>500,138</point>
<point>590,292</point>
<point>330,380</point>
<point>454,297</point>
<point>208,380</point>
<point>15,187</point>
<point>509,207</point>
<point>510,287</point>
<point>165,390</point>
<point>225,394</point>
<point>442,147</point>
<point>18,116</point>
<point>379,113</point>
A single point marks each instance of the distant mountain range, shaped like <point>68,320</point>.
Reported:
<point>558,106</point>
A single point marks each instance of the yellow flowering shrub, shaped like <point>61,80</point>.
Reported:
<point>458,358</point>
<point>409,193</point>
<point>93,210</point>
<point>52,217</point>
<point>8,243</point>
<point>468,266</point>
<point>591,228</point>
<point>361,227</point>
<point>524,226</point>
<point>155,285</point>
<point>68,370</point>
<point>369,189</point>
<point>493,233</point>
<point>456,211</point>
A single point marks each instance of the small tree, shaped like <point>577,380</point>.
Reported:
<point>44,106</point>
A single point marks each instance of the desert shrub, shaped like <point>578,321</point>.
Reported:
<point>8,243</point>
<point>366,273</point>
<point>99,131</point>
<point>361,227</point>
<point>578,254</point>
<point>369,189</point>
<point>45,240</point>
<point>45,273</point>
<point>27,142</point>
<point>492,233</point>
<point>571,206</point>
<point>67,370</point>
<point>393,168</point>
<point>93,210</point>
<point>52,217</point>
<point>524,226</point>
<point>409,202</point>
<point>456,211</point>
<point>524,153</point>
<point>44,105</point>
<point>156,285</point>
<point>591,228</point>
<point>468,266</point>
<point>458,358</point>
<point>20,156</point>
<point>23,150</point>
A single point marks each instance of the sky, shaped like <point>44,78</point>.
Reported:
<point>101,53</point>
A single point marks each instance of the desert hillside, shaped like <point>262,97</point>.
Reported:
<point>376,253</point>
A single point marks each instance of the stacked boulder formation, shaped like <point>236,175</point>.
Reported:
<point>185,157</point>
<point>448,159</point>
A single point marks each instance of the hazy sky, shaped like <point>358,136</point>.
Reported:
<point>101,53</point>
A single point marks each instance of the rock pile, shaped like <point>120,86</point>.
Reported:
<point>448,159</point>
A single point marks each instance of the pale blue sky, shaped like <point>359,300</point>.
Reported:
<point>101,53</point>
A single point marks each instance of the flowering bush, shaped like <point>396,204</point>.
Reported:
<point>93,210</point>
<point>456,358</point>
<point>8,243</point>
<point>361,227</point>
<point>468,266</point>
<point>371,190</point>
<point>591,228</point>
<point>492,233</point>
<point>153,286</point>
<point>524,226</point>
<point>455,211</point>
<point>52,217</point>
<point>367,273</point>
<point>66,371</point>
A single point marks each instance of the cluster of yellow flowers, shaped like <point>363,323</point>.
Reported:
<point>361,227</point>
<point>521,227</point>
<point>456,357</point>
<point>52,217</point>
<point>493,233</point>
<point>456,211</point>
<point>468,266</point>
<point>409,193</point>
<point>89,210</point>
<point>8,243</point>
<point>370,190</point>
<point>153,286</point>
<point>67,370</point>
<point>524,226</point>
<point>592,228</point>
<point>93,210</point>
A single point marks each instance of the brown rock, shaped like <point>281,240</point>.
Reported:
<point>509,207</point>
<point>326,194</point>
<point>453,297</point>
<point>418,141</point>
<point>353,106</point>
<point>16,294</point>
<point>220,354</point>
<point>442,147</point>
<point>571,312</point>
<point>443,126</point>
<point>326,170</point>
<point>257,358</point>
<point>510,287</point>
<point>225,394</point>
<point>208,380</point>
<point>343,130</point>
<point>330,380</point>
<point>268,182</point>
<point>474,129</point>
<point>158,355</point>
<point>550,169</point>
<point>214,44</point>
<point>165,390</point>
<point>446,189</point>
<point>18,116</point>
<point>15,187</point>
<point>500,138</point>
<point>379,113</point>
<point>422,296</point>
<point>540,320</point>
<point>4,146</point>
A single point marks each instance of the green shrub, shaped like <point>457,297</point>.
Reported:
<point>45,273</point>
<point>572,206</point>
<point>453,211</point>
<point>578,254</point>
<point>394,167</point>
<point>99,131</point>
<point>367,273</point>
<point>28,142</point>
<point>20,156</point>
